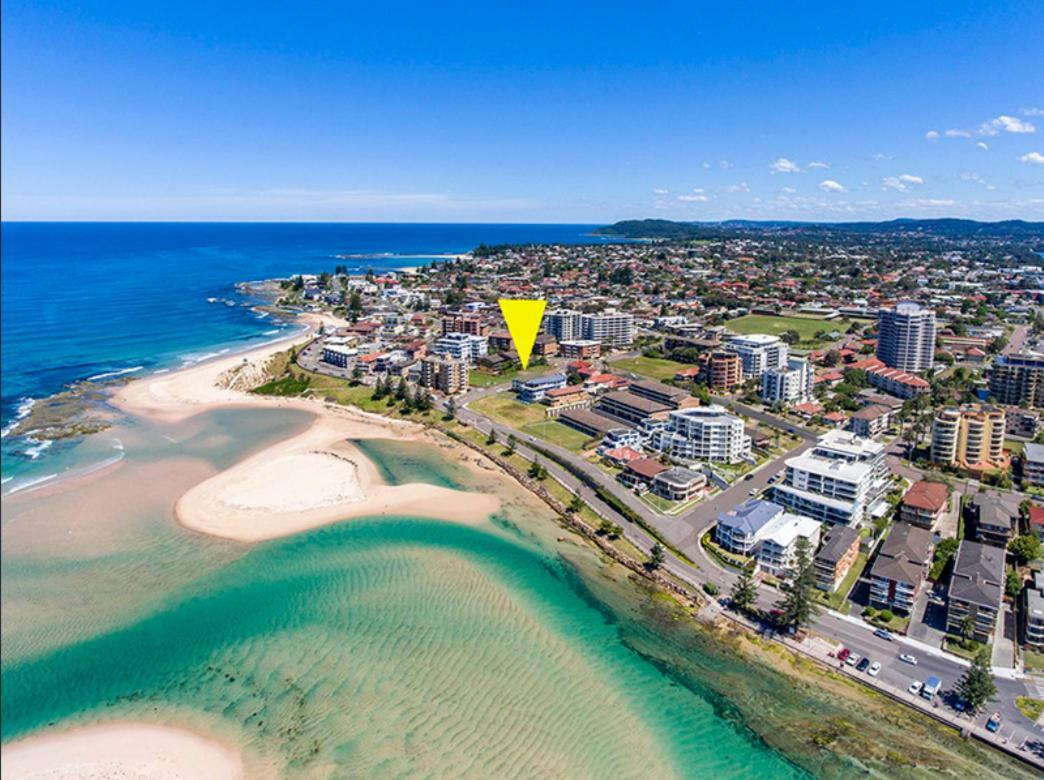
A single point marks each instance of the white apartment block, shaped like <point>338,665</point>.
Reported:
<point>703,433</point>
<point>609,327</point>
<point>906,337</point>
<point>788,385</point>
<point>564,325</point>
<point>842,479</point>
<point>759,352</point>
<point>462,346</point>
<point>777,552</point>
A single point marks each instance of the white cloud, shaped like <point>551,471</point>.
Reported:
<point>788,190</point>
<point>971,176</point>
<point>741,187</point>
<point>660,191</point>
<point>881,156</point>
<point>697,189</point>
<point>829,185</point>
<point>783,165</point>
<point>1008,124</point>
<point>902,182</point>
<point>818,164</point>
<point>928,202</point>
<point>1032,158</point>
<point>932,135</point>
<point>1032,112</point>
<point>958,134</point>
<point>706,165</point>
<point>693,198</point>
<point>724,164</point>
<point>983,145</point>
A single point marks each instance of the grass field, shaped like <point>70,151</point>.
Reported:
<point>806,327</point>
<point>504,408</point>
<point>557,433</point>
<point>654,368</point>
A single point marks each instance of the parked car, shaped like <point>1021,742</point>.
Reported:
<point>752,491</point>
<point>960,705</point>
<point>861,666</point>
<point>907,658</point>
<point>915,687</point>
<point>852,660</point>
<point>874,670</point>
<point>748,477</point>
<point>993,724</point>
<point>883,634</point>
<point>843,655</point>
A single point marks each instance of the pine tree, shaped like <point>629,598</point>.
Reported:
<point>976,687</point>
<point>492,438</point>
<point>797,605</point>
<point>656,556</point>
<point>512,442</point>
<point>744,592</point>
<point>401,390</point>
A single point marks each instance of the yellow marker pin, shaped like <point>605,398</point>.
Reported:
<point>523,320</point>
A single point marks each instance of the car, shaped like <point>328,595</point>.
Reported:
<point>993,724</point>
<point>791,430</point>
<point>960,705</point>
<point>882,634</point>
<point>852,660</point>
<point>907,658</point>
<point>843,655</point>
<point>752,491</point>
<point>874,670</point>
<point>861,666</point>
<point>748,477</point>
<point>915,687</point>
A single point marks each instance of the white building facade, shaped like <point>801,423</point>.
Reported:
<point>702,433</point>
<point>791,384</point>
<point>906,337</point>
<point>759,352</point>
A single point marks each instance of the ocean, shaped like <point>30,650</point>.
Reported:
<point>103,300</point>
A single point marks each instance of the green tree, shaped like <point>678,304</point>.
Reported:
<point>656,556</point>
<point>380,389</point>
<point>401,389</point>
<point>610,529</point>
<point>492,438</point>
<point>797,605</point>
<point>357,375</point>
<point>577,504</point>
<point>967,628</point>
<point>976,687</point>
<point>451,408</point>
<point>1025,548</point>
<point>744,593</point>
<point>1013,584</point>
<point>512,443</point>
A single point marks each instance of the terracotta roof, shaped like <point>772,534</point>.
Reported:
<point>930,496</point>
<point>646,467</point>
<point>558,392</point>
<point>1036,515</point>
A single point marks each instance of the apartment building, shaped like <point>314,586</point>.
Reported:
<point>703,433</point>
<point>924,504</point>
<point>471,324</point>
<point>447,375</point>
<point>339,355</point>
<point>1033,464</point>
<point>976,589</point>
<point>836,556</point>
<point>531,391</point>
<point>561,399</point>
<point>777,552</point>
<point>906,337</point>
<point>580,349</point>
<point>1034,611</point>
<point>790,384</point>
<point>739,529</point>
<point>721,371</point>
<point>609,327</point>
<point>563,324</point>
<point>994,517</point>
<point>900,567</point>
<point>679,483</point>
<point>630,408</point>
<point>1018,380</point>
<point>674,397</point>
<point>462,346</point>
<point>870,421</point>
<point>841,480</point>
<point>969,437</point>
<point>758,352</point>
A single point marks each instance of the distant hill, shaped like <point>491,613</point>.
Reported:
<point>941,228</point>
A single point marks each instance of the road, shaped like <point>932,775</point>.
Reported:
<point>683,534</point>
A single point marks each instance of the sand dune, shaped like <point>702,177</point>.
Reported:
<point>120,750</point>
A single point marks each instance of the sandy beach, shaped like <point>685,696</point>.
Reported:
<point>312,479</point>
<point>120,750</point>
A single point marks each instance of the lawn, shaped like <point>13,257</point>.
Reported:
<point>1030,707</point>
<point>484,379</point>
<point>957,646</point>
<point>806,327</point>
<point>836,599</point>
<point>504,408</point>
<point>1033,661</point>
<point>558,433</point>
<point>654,368</point>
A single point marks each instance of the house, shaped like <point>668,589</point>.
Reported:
<point>840,549</point>
<point>976,588</point>
<point>678,483</point>
<point>641,472</point>
<point>994,516</point>
<point>870,421</point>
<point>900,567</point>
<point>621,456</point>
<point>739,529</point>
<point>1036,520</point>
<point>924,503</point>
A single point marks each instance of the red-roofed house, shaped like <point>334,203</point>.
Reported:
<point>896,382</point>
<point>1036,520</point>
<point>621,456</point>
<point>641,472</point>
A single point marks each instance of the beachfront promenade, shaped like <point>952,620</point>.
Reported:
<point>696,568</point>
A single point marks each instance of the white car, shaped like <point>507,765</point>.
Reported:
<point>907,658</point>
<point>874,670</point>
<point>853,659</point>
<point>915,687</point>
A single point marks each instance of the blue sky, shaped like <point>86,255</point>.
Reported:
<point>527,112</point>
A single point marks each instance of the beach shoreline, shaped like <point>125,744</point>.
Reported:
<point>114,750</point>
